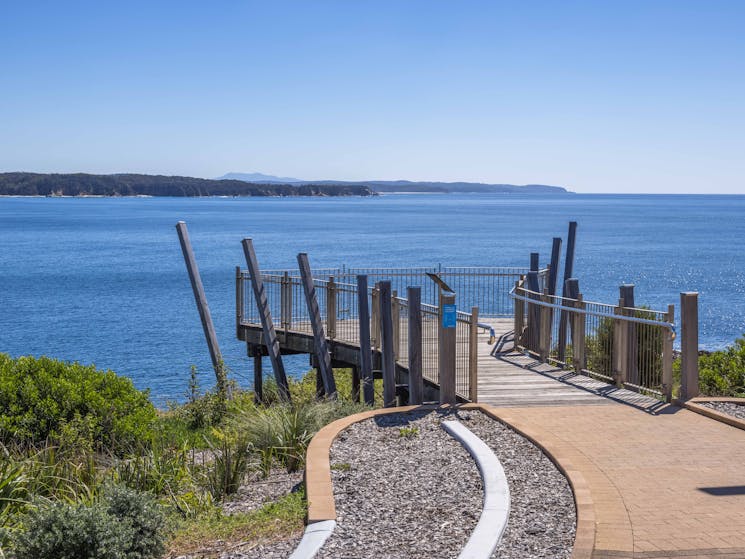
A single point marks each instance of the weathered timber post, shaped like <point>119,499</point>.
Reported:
<point>416,384</point>
<point>446,359</point>
<point>355,383</point>
<point>518,318</point>
<point>568,273</point>
<point>534,312</point>
<point>553,273</point>
<point>473,356</point>
<point>331,307</point>
<point>626,292</point>
<point>386,347</point>
<point>202,306</point>
<point>255,353</point>
<point>323,359</point>
<point>395,317</point>
<point>363,311</point>
<point>285,296</point>
<point>577,323</point>
<point>375,328</point>
<point>619,351</point>
<point>544,334</point>
<point>238,300</point>
<point>534,261</point>
<point>667,356</point>
<point>688,345</point>
<point>267,325</point>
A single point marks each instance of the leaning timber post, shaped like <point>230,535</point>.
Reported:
<point>323,359</point>
<point>689,387</point>
<point>375,328</point>
<point>238,301</point>
<point>331,308</point>
<point>667,356</point>
<point>534,261</point>
<point>416,384</point>
<point>619,351</point>
<point>363,311</point>
<point>395,317</point>
<point>386,348</point>
<point>285,296</point>
<point>544,334</point>
<point>534,312</point>
<point>267,325</point>
<point>626,292</point>
<point>446,358</point>
<point>553,274</point>
<point>202,306</point>
<point>568,273</point>
<point>473,356</point>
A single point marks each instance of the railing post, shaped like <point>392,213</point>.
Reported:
<point>363,312</point>
<point>238,300</point>
<point>416,384</point>
<point>568,274</point>
<point>667,356</point>
<point>519,310</point>
<point>386,334</point>
<point>619,351</point>
<point>626,292</point>
<point>446,358</point>
<point>331,307</point>
<point>395,317</point>
<point>534,313</point>
<point>688,345</point>
<point>544,340</point>
<point>473,356</point>
<point>579,355</point>
<point>285,296</point>
<point>375,326</point>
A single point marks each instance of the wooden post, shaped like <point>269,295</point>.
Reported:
<point>579,353</point>
<point>473,356</point>
<point>534,261</point>
<point>554,267</point>
<point>201,300</point>
<point>571,288</point>
<point>544,334</point>
<point>534,313</point>
<point>331,307</point>
<point>363,311</point>
<point>355,383</point>
<point>396,317</point>
<point>688,345</point>
<point>568,273</point>
<point>319,336</point>
<point>667,357</point>
<point>238,301</point>
<point>416,384</point>
<point>375,327</point>
<point>285,296</point>
<point>619,351</point>
<point>386,348</point>
<point>258,377</point>
<point>626,292</point>
<point>267,325</point>
<point>446,358</point>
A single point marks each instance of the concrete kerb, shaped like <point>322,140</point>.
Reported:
<point>694,404</point>
<point>320,493</point>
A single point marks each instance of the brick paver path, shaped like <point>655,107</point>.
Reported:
<point>665,485</point>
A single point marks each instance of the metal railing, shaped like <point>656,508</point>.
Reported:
<point>338,303</point>
<point>630,347</point>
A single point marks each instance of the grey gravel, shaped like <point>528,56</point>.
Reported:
<point>735,410</point>
<point>257,491</point>
<point>421,496</point>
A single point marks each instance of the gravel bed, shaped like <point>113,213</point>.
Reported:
<point>257,491</point>
<point>735,410</point>
<point>398,496</point>
<point>421,496</point>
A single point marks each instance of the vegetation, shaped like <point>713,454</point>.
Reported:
<point>722,373</point>
<point>81,184</point>
<point>89,468</point>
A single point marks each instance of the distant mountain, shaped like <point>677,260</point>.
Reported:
<point>82,184</point>
<point>413,186</point>
<point>257,177</point>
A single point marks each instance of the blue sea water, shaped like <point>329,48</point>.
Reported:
<point>102,280</point>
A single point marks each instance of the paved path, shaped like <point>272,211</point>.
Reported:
<point>665,482</point>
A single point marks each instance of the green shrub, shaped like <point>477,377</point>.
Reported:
<point>72,405</point>
<point>124,524</point>
<point>224,474</point>
<point>722,373</point>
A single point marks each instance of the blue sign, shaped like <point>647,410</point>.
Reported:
<point>449,318</point>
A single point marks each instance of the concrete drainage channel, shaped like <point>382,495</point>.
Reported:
<point>494,515</point>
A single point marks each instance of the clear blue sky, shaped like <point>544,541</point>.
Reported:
<point>625,96</point>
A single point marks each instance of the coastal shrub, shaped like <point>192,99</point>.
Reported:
<point>43,399</point>
<point>226,471</point>
<point>722,373</point>
<point>124,524</point>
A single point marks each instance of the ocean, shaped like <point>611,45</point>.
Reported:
<point>102,280</point>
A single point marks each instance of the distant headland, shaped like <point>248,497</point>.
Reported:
<point>234,184</point>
